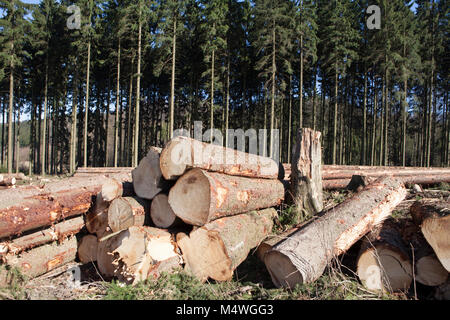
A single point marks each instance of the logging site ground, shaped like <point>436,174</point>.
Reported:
<point>251,280</point>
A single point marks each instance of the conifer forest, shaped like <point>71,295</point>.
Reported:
<point>93,83</point>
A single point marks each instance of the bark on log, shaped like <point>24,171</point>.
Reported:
<point>44,210</point>
<point>434,220</point>
<point>139,253</point>
<point>147,177</point>
<point>384,263</point>
<point>30,207</point>
<point>271,241</point>
<point>306,175</point>
<point>182,153</point>
<point>162,214</point>
<point>43,259</point>
<point>97,217</point>
<point>126,212</point>
<point>346,172</point>
<point>200,196</point>
<point>87,249</point>
<point>216,249</point>
<point>302,257</point>
<point>58,232</point>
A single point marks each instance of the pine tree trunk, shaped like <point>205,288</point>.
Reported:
<point>10,112</point>
<point>336,86</point>
<point>118,105</point>
<point>211,119</point>
<point>364,141</point>
<point>138,94</point>
<point>301,84</point>
<point>404,118</point>
<point>272,96</point>
<point>86,111</point>
<point>172,84</point>
<point>374,124</point>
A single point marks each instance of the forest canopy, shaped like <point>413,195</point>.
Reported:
<point>96,83</point>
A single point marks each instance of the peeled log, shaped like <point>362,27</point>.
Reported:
<point>306,175</point>
<point>161,212</point>
<point>126,212</point>
<point>384,263</point>
<point>434,220</point>
<point>147,177</point>
<point>140,253</point>
<point>182,153</point>
<point>43,259</point>
<point>303,256</point>
<point>59,232</point>
<point>216,249</point>
<point>200,196</point>
<point>87,249</point>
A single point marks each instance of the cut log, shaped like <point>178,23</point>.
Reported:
<point>126,212</point>
<point>182,153</point>
<point>303,257</point>
<point>346,172</point>
<point>306,175</point>
<point>31,207</point>
<point>216,249</point>
<point>7,181</point>
<point>111,190</point>
<point>271,241</point>
<point>105,171</point>
<point>43,259</point>
<point>139,253</point>
<point>200,196</point>
<point>384,263</point>
<point>87,249</point>
<point>43,210</point>
<point>162,214</point>
<point>147,177</point>
<point>434,219</point>
<point>331,184</point>
<point>59,232</point>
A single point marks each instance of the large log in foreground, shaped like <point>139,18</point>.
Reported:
<point>182,153</point>
<point>43,259</point>
<point>434,220</point>
<point>384,263</point>
<point>200,196</point>
<point>306,176</point>
<point>303,257</point>
<point>216,249</point>
<point>147,177</point>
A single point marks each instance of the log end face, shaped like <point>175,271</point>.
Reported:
<point>190,198</point>
<point>282,271</point>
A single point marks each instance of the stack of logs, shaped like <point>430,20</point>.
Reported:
<point>205,207</point>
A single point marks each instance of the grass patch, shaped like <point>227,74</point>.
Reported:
<point>13,281</point>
